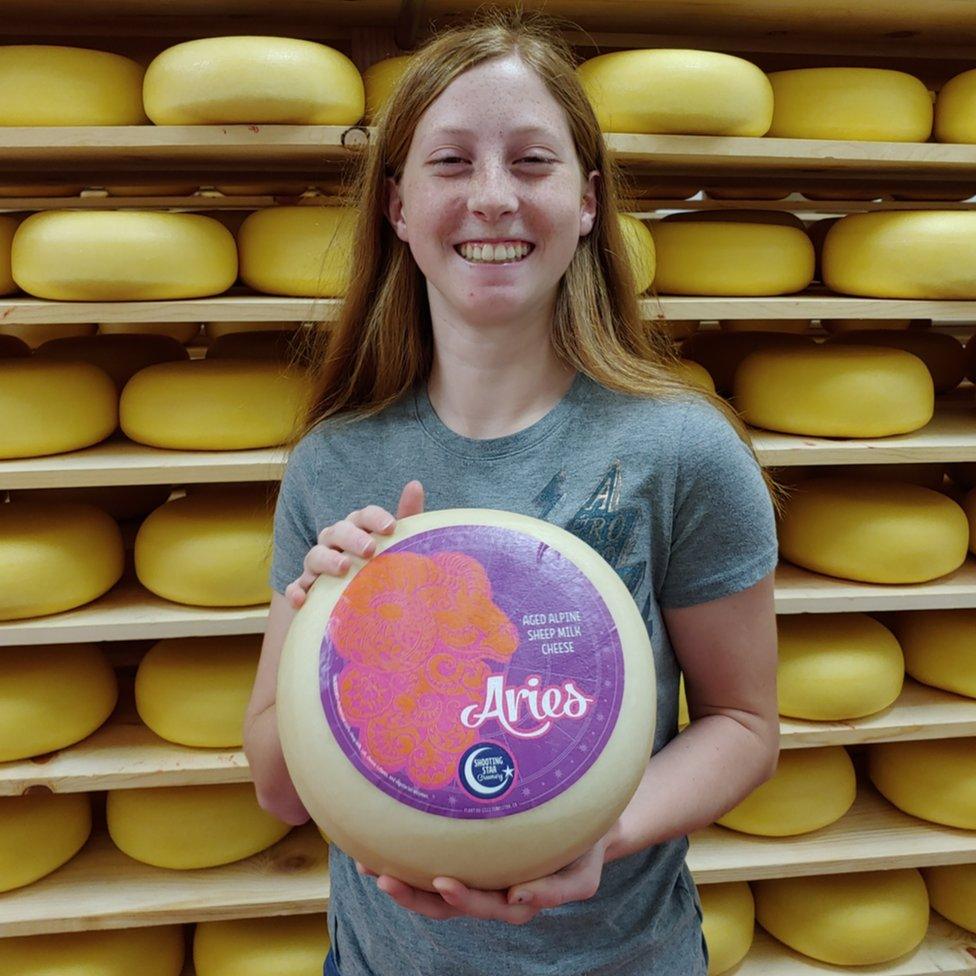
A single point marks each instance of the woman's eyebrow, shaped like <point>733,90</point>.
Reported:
<point>520,131</point>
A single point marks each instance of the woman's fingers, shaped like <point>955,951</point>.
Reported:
<point>422,902</point>
<point>411,500</point>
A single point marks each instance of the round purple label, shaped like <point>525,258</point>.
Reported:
<point>471,672</point>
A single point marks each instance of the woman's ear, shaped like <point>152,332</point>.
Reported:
<point>394,209</point>
<point>588,204</point>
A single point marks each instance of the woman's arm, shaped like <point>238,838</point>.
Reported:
<point>727,650</point>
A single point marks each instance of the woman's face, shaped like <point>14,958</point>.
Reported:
<point>492,161</point>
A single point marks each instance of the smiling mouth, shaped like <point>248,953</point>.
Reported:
<point>509,254</point>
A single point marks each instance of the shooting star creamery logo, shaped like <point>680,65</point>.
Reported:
<point>487,771</point>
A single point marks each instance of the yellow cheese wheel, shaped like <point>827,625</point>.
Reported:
<point>810,789</point>
<point>873,532</point>
<point>938,647</point>
<point>875,325</point>
<point>858,919</point>
<point>77,545</point>
<point>969,507</point>
<point>730,258</point>
<point>678,91</point>
<point>110,255</point>
<point>639,245</point>
<point>182,332</point>
<point>52,696</point>
<point>185,827</point>
<point>13,348</point>
<point>797,326</point>
<point>36,334</point>
<point>932,779</point>
<point>744,216</point>
<point>907,254</point>
<point>873,104</point>
<point>8,226</point>
<point>290,945</point>
<point>835,391</point>
<point>954,108</point>
<point>695,374</point>
<point>836,666</point>
<point>728,923</point>
<point>942,354</point>
<point>217,80</point>
<point>684,717</point>
<point>46,84</point>
<point>38,833</point>
<point>302,251</point>
<point>152,951</point>
<point>208,549</point>
<point>276,345</point>
<point>195,690</point>
<point>379,80</point>
<point>952,892</point>
<point>214,330</point>
<point>119,501</point>
<point>213,404</point>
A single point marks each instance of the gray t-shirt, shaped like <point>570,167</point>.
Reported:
<point>666,492</point>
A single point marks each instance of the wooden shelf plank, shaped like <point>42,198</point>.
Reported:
<point>102,888</point>
<point>873,835</point>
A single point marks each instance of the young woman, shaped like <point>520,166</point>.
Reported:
<point>490,354</point>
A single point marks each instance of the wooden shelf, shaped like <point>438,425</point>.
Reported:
<point>102,888</point>
<point>872,836</point>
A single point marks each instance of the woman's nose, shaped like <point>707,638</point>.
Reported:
<point>492,192</point>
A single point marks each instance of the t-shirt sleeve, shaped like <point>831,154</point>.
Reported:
<point>295,531</point>
<point>723,534</point>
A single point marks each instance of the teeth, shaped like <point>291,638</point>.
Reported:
<point>494,252</point>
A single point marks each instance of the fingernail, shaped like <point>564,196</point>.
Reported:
<point>389,525</point>
<point>441,885</point>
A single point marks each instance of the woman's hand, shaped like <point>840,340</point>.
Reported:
<point>352,535</point>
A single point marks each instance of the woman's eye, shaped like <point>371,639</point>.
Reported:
<point>448,159</point>
<point>537,159</point>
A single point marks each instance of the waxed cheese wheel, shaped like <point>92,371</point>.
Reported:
<point>13,348</point>
<point>52,696</point>
<point>743,216</point>
<point>36,334</point>
<point>38,833</point>
<point>678,91</point>
<point>695,374</point>
<point>639,245</point>
<point>182,332</point>
<point>46,84</point>
<point>208,549</point>
<point>873,532</point>
<point>875,325</point>
<point>874,104</point>
<point>214,330</point>
<point>195,690</point>
<point>76,255</point>
<point>932,779</point>
<point>8,225</point>
<point>275,345</point>
<point>969,507</point>
<point>302,251</point>
<point>952,893</point>
<point>186,827</point>
<point>797,326</point>
<point>151,951</point>
<point>77,545</point>
<point>121,356</point>
<point>861,919</point>
<point>835,391</point>
<point>485,682</point>
<point>213,404</point>
<point>379,81</point>
<point>942,354</point>
<point>907,254</point>
<point>729,257</point>
<point>810,789</point>
<point>728,923</point>
<point>290,945</point>
<point>940,648</point>
<point>954,109</point>
<point>121,502</point>
<point>836,666</point>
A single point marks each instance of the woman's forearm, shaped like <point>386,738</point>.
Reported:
<point>272,782</point>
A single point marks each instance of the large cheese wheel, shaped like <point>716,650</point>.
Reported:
<point>730,258</point>
<point>38,833</point>
<point>782,218</point>
<point>77,545</point>
<point>874,104</point>
<point>942,354</point>
<point>678,91</point>
<point>217,80</point>
<point>185,827</point>
<point>952,892</point>
<point>36,333</point>
<point>195,690</point>
<point>122,255</point>
<point>275,345</point>
<point>810,789</point>
<point>13,348</point>
<point>153,951</point>
<point>728,923</point>
<point>303,251</point>
<point>52,696</point>
<point>8,226</point>
<point>695,374</point>
<point>873,532</point>
<point>907,254</point>
<point>836,666</point>
<point>208,549</point>
<point>639,245</point>
<point>290,945</point>
<point>796,326</point>
<point>721,353</point>
<point>938,647</point>
<point>484,683</point>
<point>46,84</point>
<point>182,332</point>
<point>835,391</point>
<point>49,407</point>
<point>932,779</point>
<point>379,81</point>
<point>121,356</point>
<point>875,325</point>
<point>120,501</point>
<point>969,507</point>
<point>954,108</point>
<point>213,404</point>
<point>858,919</point>
<point>214,330</point>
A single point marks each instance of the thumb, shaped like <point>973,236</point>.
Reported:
<point>411,500</point>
